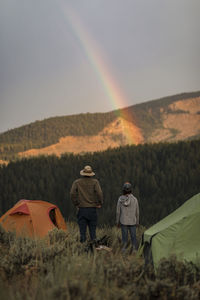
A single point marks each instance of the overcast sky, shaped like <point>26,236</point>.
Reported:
<point>151,49</point>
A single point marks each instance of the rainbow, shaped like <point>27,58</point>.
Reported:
<point>94,57</point>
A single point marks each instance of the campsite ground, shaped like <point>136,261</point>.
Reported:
<point>62,268</point>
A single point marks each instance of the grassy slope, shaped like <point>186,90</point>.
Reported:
<point>62,269</point>
<point>150,121</point>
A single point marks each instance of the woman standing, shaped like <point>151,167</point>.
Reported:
<point>127,215</point>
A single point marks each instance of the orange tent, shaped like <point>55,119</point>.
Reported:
<point>32,218</point>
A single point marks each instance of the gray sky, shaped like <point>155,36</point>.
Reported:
<point>151,49</point>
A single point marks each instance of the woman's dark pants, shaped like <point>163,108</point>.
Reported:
<point>87,216</point>
<point>132,230</point>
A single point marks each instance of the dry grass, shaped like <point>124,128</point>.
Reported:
<point>62,268</point>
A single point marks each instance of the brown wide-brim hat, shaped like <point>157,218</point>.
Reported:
<point>87,171</point>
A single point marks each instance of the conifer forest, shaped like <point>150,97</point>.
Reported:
<point>163,177</point>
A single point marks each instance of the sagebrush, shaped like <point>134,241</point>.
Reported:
<point>59,267</point>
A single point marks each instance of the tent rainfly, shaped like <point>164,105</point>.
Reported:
<point>177,234</point>
<point>32,218</point>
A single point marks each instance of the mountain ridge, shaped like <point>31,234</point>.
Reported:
<point>168,119</point>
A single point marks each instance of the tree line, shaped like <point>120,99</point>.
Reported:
<point>163,177</point>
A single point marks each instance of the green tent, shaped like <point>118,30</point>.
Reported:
<point>178,234</point>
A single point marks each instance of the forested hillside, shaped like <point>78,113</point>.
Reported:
<point>47,132</point>
<point>151,118</point>
<point>163,175</point>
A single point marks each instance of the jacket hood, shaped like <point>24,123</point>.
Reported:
<point>125,200</point>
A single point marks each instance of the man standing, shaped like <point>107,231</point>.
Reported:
<point>86,195</point>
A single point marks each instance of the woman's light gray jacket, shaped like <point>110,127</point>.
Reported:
<point>127,212</point>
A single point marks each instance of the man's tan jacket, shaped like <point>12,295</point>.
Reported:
<point>86,192</point>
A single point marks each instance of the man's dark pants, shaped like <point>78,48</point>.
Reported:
<point>87,216</point>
